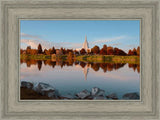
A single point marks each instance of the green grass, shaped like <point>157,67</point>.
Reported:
<point>108,59</point>
<point>36,57</point>
<point>90,58</point>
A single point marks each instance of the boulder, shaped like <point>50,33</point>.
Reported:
<point>46,89</point>
<point>97,92</point>
<point>27,84</point>
<point>112,96</point>
<point>132,96</point>
<point>83,94</point>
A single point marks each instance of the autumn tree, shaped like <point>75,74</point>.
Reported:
<point>70,55</point>
<point>134,51</point>
<point>50,51</point>
<point>76,52</point>
<point>28,49</point>
<point>88,51</point>
<point>47,52</point>
<point>21,51</point>
<point>138,50</point>
<point>115,51</point>
<point>130,52</point>
<point>62,50</point>
<point>82,51</point>
<point>95,49</point>
<point>33,51</point>
<point>102,52</point>
<point>118,51</point>
<point>110,51</point>
<point>105,48</point>
<point>39,49</point>
<point>53,50</point>
<point>69,50</point>
<point>121,52</point>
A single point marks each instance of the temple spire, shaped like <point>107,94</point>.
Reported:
<point>85,44</point>
<point>86,38</point>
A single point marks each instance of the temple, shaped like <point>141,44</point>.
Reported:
<point>85,44</point>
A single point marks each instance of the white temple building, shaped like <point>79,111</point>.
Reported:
<point>85,45</point>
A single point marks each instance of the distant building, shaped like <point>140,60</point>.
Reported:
<point>85,45</point>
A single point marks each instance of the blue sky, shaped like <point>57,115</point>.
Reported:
<point>124,34</point>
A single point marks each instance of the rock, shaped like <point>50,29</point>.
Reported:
<point>132,96</point>
<point>97,92</point>
<point>46,89</point>
<point>112,96</point>
<point>26,84</point>
<point>83,94</point>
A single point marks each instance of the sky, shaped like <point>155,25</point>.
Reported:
<point>124,34</point>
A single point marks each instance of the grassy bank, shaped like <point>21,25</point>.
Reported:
<point>109,59</point>
<point>88,58</point>
<point>36,57</point>
<point>42,57</point>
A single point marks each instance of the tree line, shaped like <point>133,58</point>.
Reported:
<point>105,50</point>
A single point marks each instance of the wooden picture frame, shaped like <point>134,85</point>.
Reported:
<point>147,11</point>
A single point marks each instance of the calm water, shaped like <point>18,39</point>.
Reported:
<point>73,77</point>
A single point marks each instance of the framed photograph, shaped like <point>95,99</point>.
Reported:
<point>80,59</point>
<point>103,65</point>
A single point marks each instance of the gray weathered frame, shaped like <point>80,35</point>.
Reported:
<point>145,10</point>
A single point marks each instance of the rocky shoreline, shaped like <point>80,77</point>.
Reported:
<point>46,91</point>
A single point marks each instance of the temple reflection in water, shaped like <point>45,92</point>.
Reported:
<point>85,66</point>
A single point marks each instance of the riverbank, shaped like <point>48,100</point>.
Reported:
<point>109,59</point>
<point>88,58</point>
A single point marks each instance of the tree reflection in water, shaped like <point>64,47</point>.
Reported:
<point>95,66</point>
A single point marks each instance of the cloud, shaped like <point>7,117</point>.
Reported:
<point>115,44</point>
<point>29,42</point>
<point>31,36</point>
<point>100,41</point>
<point>131,46</point>
<point>34,40</point>
<point>49,44</point>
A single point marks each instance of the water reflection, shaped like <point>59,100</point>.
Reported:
<point>95,66</point>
